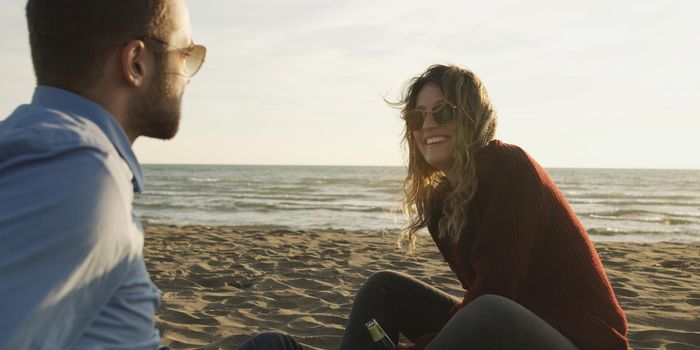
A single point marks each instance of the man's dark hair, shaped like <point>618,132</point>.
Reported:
<point>71,39</point>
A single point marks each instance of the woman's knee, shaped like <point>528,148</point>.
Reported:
<point>495,321</point>
<point>491,302</point>
<point>378,281</point>
<point>488,312</point>
<point>270,341</point>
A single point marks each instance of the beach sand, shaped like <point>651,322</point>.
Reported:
<point>221,285</point>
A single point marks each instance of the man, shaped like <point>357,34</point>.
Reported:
<point>72,273</point>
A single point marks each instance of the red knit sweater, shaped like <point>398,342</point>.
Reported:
<point>524,242</point>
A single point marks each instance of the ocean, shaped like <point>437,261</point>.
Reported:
<point>640,205</point>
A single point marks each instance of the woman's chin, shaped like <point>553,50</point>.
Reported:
<point>441,163</point>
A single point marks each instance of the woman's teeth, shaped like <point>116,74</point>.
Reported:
<point>436,139</point>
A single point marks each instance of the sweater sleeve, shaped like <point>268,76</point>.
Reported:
<point>511,205</point>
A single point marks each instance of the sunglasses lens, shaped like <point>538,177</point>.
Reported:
<point>414,120</point>
<point>195,59</point>
<point>443,113</point>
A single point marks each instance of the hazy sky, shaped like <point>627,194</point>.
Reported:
<point>577,84</point>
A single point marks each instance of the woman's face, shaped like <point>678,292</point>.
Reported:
<point>435,141</point>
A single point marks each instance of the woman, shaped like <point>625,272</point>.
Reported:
<point>532,277</point>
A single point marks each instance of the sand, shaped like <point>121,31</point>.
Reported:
<point>222,285</point>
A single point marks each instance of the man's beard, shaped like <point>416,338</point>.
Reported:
<point>156,113</point>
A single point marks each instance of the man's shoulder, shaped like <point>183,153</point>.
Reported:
<point>36,131</point>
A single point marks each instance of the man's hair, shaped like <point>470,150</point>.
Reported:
<point>71,40</point>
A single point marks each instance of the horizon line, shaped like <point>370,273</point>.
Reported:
<point>398,166</point>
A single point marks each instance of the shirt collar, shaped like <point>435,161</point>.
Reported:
<point>62,100</point>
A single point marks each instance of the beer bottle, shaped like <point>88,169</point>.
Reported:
<point>378,334</point>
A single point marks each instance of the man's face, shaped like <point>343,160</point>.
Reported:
<point>158,109</point>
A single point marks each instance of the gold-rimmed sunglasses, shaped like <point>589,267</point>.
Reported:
<point>443,113</point>
<point>194,55</point>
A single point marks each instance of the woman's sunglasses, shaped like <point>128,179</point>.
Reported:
<point>442,112</point>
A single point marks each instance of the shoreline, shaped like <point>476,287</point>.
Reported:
<point>223,284</point>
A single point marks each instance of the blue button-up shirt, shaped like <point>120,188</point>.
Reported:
<point>72,273</point>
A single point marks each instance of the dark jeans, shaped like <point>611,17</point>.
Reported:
<point>402,304</point>
<point>270,341</point>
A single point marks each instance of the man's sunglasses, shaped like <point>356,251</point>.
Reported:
<point>442,112</point>
<point>194,56</point>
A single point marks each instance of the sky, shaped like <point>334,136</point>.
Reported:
<point>601,83</point>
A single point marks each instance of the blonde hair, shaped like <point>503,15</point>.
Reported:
<point>425,186</point>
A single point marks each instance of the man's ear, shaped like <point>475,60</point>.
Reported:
<point>134,63</point>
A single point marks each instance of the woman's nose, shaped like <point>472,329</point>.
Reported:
<point>429,121</point>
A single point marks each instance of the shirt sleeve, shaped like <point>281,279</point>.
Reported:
<point>512,208</point>
<point>65,249</point>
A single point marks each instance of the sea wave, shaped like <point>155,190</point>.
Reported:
<point>644,216</point>
<point>612,235</point>
<point>204,179</point>
<point>641,201</point>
